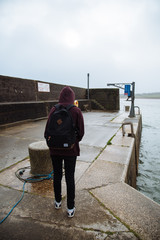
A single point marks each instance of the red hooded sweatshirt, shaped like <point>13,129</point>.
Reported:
<point>67,97</point>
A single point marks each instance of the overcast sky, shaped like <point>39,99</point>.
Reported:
<point>60,41</point>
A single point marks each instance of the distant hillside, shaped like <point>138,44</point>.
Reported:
<point>155,95</point>
<point>148,95</point>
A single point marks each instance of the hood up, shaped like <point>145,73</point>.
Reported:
<point>67,96</point>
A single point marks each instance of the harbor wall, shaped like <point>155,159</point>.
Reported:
<point>108,98</point>
<point>24,99</point>
<point>119,194</point>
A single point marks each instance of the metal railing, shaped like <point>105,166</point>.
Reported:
<point>129,134</point>
<point>138,109</point>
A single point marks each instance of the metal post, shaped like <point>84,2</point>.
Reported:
<point>88,84</point>
<point>132,112</point>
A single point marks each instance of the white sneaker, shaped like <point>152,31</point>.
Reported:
<point>57,205</point>
<point>71,212</point>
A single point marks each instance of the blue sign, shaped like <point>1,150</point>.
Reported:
<point>127,90</point>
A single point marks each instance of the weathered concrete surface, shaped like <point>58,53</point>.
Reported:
<point>36,218</point>
<point>104,203</point>
<point>139,212</point>
<point>99,174</point>
<point>44,188</point>
<point>14,141</point>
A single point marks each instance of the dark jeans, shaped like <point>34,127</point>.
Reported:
<point>69,166</point>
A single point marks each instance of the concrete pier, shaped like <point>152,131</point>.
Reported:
<point>107,204</point>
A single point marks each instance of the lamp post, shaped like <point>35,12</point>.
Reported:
<point>88,86</point>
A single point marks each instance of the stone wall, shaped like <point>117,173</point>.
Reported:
<point>24,90</point>
<point>108,98</point>
<point>15,112</point>
<point>23,99</point>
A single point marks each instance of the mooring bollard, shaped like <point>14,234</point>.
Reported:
<point>127,108</point>
<point>40,159</point>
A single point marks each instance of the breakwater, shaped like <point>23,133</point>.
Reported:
<point>24,99</point>
<point>112,180</point>
<point>148,178</point>
<point>112,208</point>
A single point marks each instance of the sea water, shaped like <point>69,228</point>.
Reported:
<point>148,179</point>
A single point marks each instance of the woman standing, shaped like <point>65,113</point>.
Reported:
<point>69,156</point>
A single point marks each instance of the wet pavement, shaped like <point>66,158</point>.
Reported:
<point>35,216</point>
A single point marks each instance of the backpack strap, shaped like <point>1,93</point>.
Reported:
<point>57,106</point>
<point>70,106</point>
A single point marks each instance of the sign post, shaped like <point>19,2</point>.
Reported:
<point>132,112</point>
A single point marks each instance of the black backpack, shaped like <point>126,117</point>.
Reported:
<point>60,132</point>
